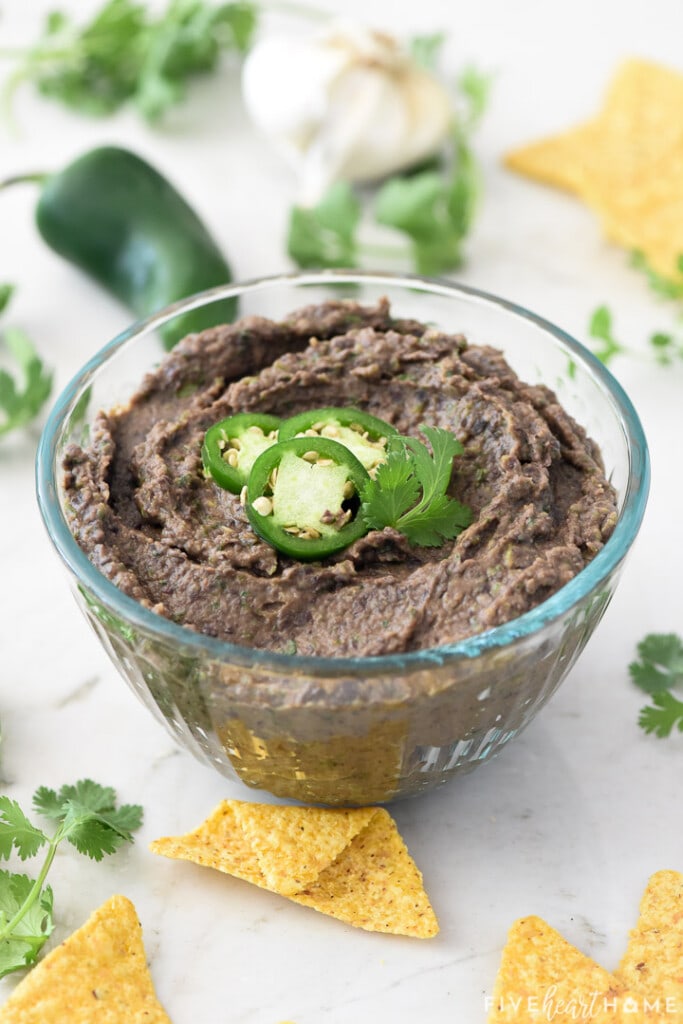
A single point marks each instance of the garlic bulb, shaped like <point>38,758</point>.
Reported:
<point>348,103</point>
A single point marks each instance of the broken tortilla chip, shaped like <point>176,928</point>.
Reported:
<point>627,163</point>
<point>653,961</point>
<point>348,863</point>
<point>98,975</point>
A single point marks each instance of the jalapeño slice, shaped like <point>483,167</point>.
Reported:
<point>302,497</point>
<point>232,446</point>
<point>364,435</point>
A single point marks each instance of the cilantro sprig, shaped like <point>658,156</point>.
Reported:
<point>657,671</point>
<point>325,235</point>
<point>433,207</point>
<point>666,287</point>
<point>409,490</point>
<point>127,53</point>
<point>86,816</point>
<point>663,346</point>
<point>20,404</point>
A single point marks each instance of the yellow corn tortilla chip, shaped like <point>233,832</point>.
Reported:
<point>541,970</point>
<point>97,976</point>
<point>218,843</point>
<point>374,884</point>
<point>653,961</point>
<point>350,864</point>
<point>294,844</point>
<point>558,161</point>
<point>627,163</point>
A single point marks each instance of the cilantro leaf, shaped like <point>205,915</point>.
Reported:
<point>433,206</point>
<point>31,930</point>
<point>6,292</point>
<point>418,205</point>
<point>475,89</point>
<point>600,328</point>
<point>90,794</point>
<point>442,519</point>
<point>90,834</point>
<point>661,662</point>
<point>89,819</point>
<point>18,405</point>
<point>325,235</point>
<point>394,490</point>
<point>409,490</point>
<point>17,832</point>
<point>425,50</point>
<point>658,669</point>
<point>665,713</point>
<point>665,347</point>
<point>436,209</point>
<point>186,41</point>
<point>666,287</point>
<point>433,470</point>
<point>46,802</point>
<point>96,833</point>
<point>126,52</point>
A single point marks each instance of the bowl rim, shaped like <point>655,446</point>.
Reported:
<point>553,608</point>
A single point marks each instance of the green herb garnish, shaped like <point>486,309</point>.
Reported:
<point>600,327</point>
<point>425,50</point>
<point>664,347</point>
<point>666,287</point>
<point>409,490</point>
<point>87,817</point>
<point>6,293</point>
<point>19,405</point>
<point>126,53</point>
<point>434,207</point>
<point>325,235</point>
<point>658,670</point>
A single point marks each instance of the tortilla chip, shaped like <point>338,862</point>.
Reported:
<point>350,864</point>
<point>218,843</point>
<point>627,163</point>
<point>653,961</point>
<point>557,161</point>
<point>391,898</point>
<point>97,976</point>
<point>294,844</point>
<point>541,969</point>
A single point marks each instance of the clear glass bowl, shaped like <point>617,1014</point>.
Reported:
<point>355,730</point>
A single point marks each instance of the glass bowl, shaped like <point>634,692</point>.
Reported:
<point>345,731</point>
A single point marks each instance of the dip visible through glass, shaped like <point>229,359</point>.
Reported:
<point>357,729</point>
<point>150,519</point>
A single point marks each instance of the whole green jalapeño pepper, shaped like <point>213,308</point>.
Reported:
<point>302,497</point>
<point>364,435</point>
<point>232,446</point>
<point>124,224</point>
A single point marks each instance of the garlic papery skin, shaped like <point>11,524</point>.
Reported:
<point>348,103</point>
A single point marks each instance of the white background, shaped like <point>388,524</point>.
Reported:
<point>573,817</point>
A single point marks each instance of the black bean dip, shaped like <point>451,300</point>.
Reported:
<point>150,520</point>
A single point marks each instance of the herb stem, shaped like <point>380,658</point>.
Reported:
<point>379,249</point>
<point>293,8</point>
<point>36,888</point>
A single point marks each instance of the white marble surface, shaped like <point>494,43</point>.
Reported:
<point>573,817</point>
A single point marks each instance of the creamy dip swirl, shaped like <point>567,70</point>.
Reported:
<point>143,510</point>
